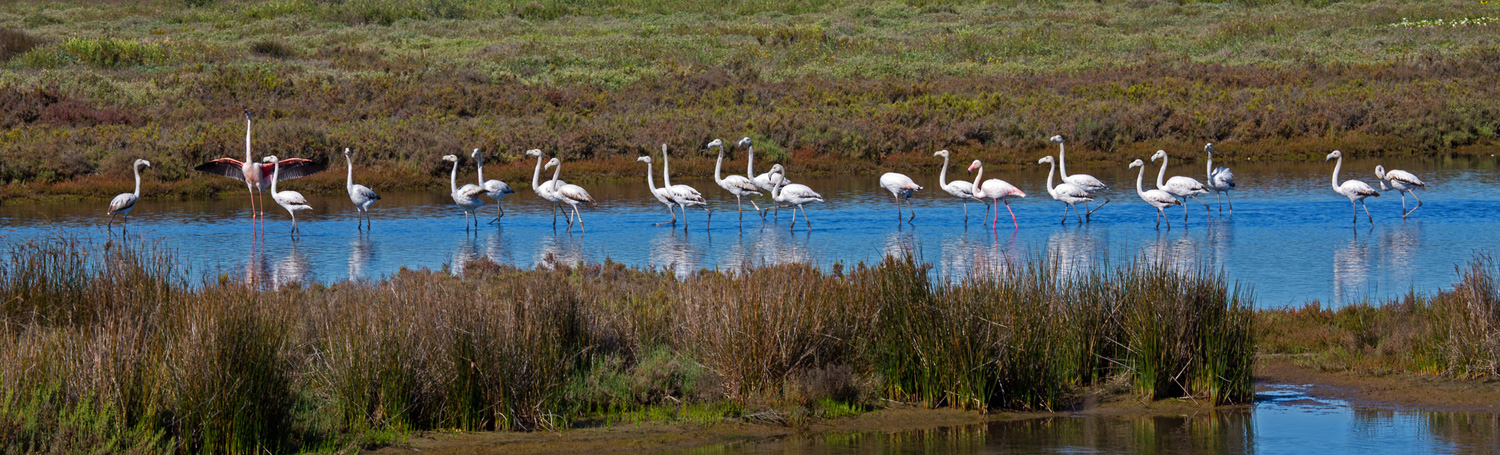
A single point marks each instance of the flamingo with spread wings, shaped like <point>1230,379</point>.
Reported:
<point>255,174</point>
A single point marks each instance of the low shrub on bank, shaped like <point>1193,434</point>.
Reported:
<point>114,348</point>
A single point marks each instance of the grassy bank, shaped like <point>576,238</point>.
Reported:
<point>115,349</point>
<point>1455,333</point>
<point>824,86</point>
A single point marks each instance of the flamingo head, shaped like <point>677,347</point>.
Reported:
<point>1159,155</point>
<point>247,115</point>
<point>1380,173</point>
<point>975,165</point>
<point>1137,163</point>
<point>453,158</point>
<point>142,162</point>
<point>534,152</point>
<point>1057,139</point>
<point>1332,156</point>
<point>745,142</point>
<point>1209,148</point>
<point>346,151</point>
<point>1045,159</point>
<point>777,169</point>
<point>644,159</point>
<point>270,159</point>
<point>942,153</point>
<point>552,162</point>
<point>475,154</point>
<point>716,143</point>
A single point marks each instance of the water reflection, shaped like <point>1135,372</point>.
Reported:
<point>1074,249</point>
<point>1176,250</point>
<point>464,251</point>
<point>497,247</point>
<point>361,251</point>
<point>559,249</point>
<point>678,251</point>
<point>1351,271</point>
<point>292,268</point>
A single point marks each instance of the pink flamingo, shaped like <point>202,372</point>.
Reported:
<point>997,191</point>
<point>255,174</point>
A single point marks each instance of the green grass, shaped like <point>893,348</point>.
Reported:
<point>115,348</point>
<point>837,85</point>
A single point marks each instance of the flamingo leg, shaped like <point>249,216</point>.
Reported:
<point>111,224</point>
<point>1354,209</point>
<point>1012,213</point>
<point>794,220</point>
<point>1207,210</point>
<point>502,213</point>
<point>966,212</point>
<point>579,216</point>
<point>739,206</point>
<point>805,219</point>
<point>898,209</point>
<point>910,210</point>
<point>1367,212</point>
<point>1403,204</point>
<point>995,222</point>
<point>1076,215</point>
<point>1090,215</point>
<point>1065,214</point>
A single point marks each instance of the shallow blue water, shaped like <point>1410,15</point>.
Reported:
<point>1289,239</point>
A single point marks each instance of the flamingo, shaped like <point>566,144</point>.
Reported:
<point>739,185</point>
<point>1179,186</point>
<point>1084,181</point>
<point>546,191</point>
<point>495,189</point>
<point>568,193</point>
<point>961,189</point>
<point>466,197</point>
<point>1066,192</point>
<point>362,196</point>
<point>292,201</point>
<point>997,191</point>
<point>122,204</point>
<point>660,193</point>
<point>792,194</point>
<point>254,174</point>
<point>1404,182</point>
<point>764,181</point>
<point>1220,180</point>
<point>1157,198</point>
<point>685,196</point>
<point>901,187</point>
<point>1355,190</point>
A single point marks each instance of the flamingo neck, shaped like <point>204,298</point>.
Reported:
<point>1138,179</point>
<point>537,173</point>
<point>1336,166</point>
<point>1160,175</point>
<point>776,190</point>
<point>719,165</point>
<point>557,171</point>
<point>666,173</point>
<point>1210,166</point>
<point>750,163</point>
<point>1050,167</point>
<point>1062,164</point>
<point>479,162</point>
<point>137,180</point>
<point>650,182</point>
<point>452,178</point>
<point>349,183</point>
<point>977,176</point>
<point>247,141</point>
<point>275,174</point>
<point>943,175</point>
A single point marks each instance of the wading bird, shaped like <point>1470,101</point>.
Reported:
<point>1066,192</point>
<point>764,181</point>
<point>465,197</point>
<point>1355,190</point>
<point>122,204</point>
<point>685,196</point>
<point>568,193</point>
<point>1084,181</point>
<point>495,189</point>
<point>545,189</point>
<point>1157,198</point>
<point>738,185</point>
<point>1183,187</point>
<point>793,194</point>
<point>1404,182</point>
<point>996,191</point>
<point>901,187</point>
<point>660,193</point>
<point>961,189</point>
<point>292,201</point>
<point>253,174</point>
<point>1220,180</point>
<point>362,196</point>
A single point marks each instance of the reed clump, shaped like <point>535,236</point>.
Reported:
<point>113,348</point>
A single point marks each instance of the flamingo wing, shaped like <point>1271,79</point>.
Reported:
<point>740,183</point>
<point>122,202</point>
<point>1068,190</point>
<point>1222,178</point>
<point>1355,188</point>
<point>798,191</point>
<point>471,190</point>
<point>292,168</point>
<point>1405,177</point>
<point>1185,185</point>
<point>228,167</point>
<point>366,192</point>
<point>960,188</point>
<point>497,189</point>
<point>1159,197</point>
<point>1085,181</point>
<point>290,198</point>
<point>576,193</point>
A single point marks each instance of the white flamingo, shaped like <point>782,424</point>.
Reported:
<point>765,181</point>
<point>996,191</point>
<point>660,193</point>
<point>1087,182</point>
<point>1179,186</point>
<point>738,185</point>
<point>793,194</point>
<point>253,174</point>
<point>495,189</point>
<point>685,196</point>
<point>901,187</point>
<point>362,196</point>
<point>1157,198</point>
<point>1220,180</point>
<point>292,201</point>
<point>122,203</point>
<point>961,189</point>
<point>465,197</point>
<point>546,190</point>
<point>1404,182</point>
<point>569,193</point>
<point>1066,192</point>
<point>1355,190</point>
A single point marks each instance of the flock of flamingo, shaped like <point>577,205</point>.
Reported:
<point>1071,190</point>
